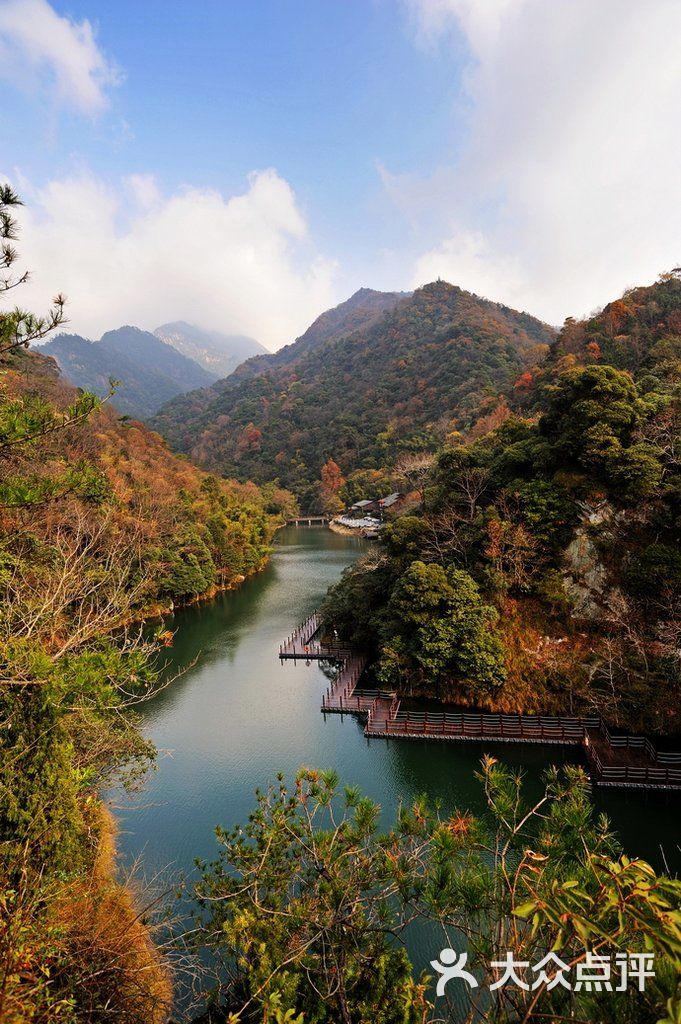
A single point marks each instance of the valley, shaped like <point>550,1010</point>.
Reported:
<point>340,512</point>
<point>521,486</point>
<point>375,377</point>
<point>236,717</point>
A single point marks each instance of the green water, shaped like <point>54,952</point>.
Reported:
<point>237,716</point>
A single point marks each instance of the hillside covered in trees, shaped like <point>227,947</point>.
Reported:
<point>191,531</point>
<point>100,526</point>
<point>148,370</point>
<point>543,571</point>
<point>377,376</point>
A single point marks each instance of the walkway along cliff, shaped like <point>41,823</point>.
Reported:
<point>614,760</point>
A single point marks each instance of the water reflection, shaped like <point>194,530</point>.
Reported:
<point>237,717</point>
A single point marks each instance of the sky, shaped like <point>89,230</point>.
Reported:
<point>246,164</point>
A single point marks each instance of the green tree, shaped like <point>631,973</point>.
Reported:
<point>585,398</point>
<point>307,902</point>
<point>437,621</point>
<point>19,328</point>
<point>591,420</point>
<point>354,605</point>
<point>302,902</point>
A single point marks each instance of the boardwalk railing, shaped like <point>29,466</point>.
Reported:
<point>612,757</point>
<point>294,644</point>
<point>640,743</point>
<point>342,694</point>
<point>354,701</point>
<point>662,774</point>
<point>518,728</point>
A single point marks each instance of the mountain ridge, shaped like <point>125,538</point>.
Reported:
<point>216,352</point>
<point>374,375</point>
<point>149,370</point>
<point>363,308</point>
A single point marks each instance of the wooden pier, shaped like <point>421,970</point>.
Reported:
<point>614,760</point>
<point>342,695</point>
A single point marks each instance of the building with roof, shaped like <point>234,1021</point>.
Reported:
<point>390,501</point>
<point>362,508</point>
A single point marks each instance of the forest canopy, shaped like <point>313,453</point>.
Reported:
<point>559,509</point>
<point>414,375</point>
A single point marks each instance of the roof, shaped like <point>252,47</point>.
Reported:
<point>391,499</point>
<point>363,504</point>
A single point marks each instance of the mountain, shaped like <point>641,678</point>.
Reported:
<point>358,313</point>
<point>218,353</point>
<point>374,376</point>
<point>560,509</point>
<point>150,371</point>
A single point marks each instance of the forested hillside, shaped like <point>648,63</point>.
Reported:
<point>100,525</point>
<point>543,572</point>
<point>357,314</point>
<point>148,371</point>
<point>404,381</point>
<point>191,530</point>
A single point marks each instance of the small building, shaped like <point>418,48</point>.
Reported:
<point>391,501</point>
<point>364,507</point>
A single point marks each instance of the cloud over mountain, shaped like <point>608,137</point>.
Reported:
<point>243,264</point>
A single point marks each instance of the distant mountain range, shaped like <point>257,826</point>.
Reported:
<point>380,373</point>
<point>150,368</point>
<point>218,353</point>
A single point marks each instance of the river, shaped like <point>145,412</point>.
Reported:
<point>236,717</point>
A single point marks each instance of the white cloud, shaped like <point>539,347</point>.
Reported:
<point>566,188</point>
<point>40,47</point>
<point>143,189</point>
<point>465,257</point>
<point>242,264</point>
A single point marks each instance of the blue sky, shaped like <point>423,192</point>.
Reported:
<point>323,92</point>
<point>330,144</point>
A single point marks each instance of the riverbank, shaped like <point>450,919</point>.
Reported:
<point>627,761</point>
<point>159,609</point>
<point>350,531</point>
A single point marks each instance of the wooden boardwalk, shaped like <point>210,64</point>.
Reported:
<point>342,694</point>
<point>614,760</point>
<point>297,643</point>
<point>502,728</point>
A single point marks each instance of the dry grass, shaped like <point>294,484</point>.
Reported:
<point>81,950</point>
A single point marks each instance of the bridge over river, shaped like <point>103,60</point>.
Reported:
<point>313,519</point>
<point>614,760</point>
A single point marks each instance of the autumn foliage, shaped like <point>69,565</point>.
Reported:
<point>399,383</point>
<point>332,481</point>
